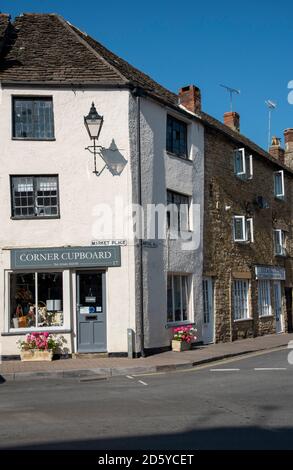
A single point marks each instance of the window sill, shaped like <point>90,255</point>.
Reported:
<point>243,320</point>
<point>46,217</point>
<point>176,235</point>
<point>21,139</point>
<point>266,316</point>
<point>25,331</point>
<point>243,178</point>
<point>281,256</point>
<point>280,198</point>
<point>178,323</point>
<point>181,157</point>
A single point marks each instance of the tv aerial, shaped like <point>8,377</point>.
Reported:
<point>271,106</point>
<point>232,92</point>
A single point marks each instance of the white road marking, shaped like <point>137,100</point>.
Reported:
<point>129,377</point>
<point>143,383</point>
<point>270,368</point>
<point>223,370</point>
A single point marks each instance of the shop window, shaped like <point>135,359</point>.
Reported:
<point>34,196</point>
<point>178,294</point>
<point>240,300</point>
<point>36,300</point>
<point>176,137</point>
<point>264,298</point>
<point>33,118</point>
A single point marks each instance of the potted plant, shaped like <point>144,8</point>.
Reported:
<point>38,347</point>
<point>183,337</point>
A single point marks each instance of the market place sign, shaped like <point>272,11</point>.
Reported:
<point>66,257</point>
<point>270,273</point>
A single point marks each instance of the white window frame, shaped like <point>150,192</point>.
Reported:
<point>247,229</point>
<point>240,298</point>
<point>264,298</point>
<point>280,235</point>
<point>247,165</point>
<point>187,299</point>
<point>282,194</point>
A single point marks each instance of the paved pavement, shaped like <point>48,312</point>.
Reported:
<point>241,403</point>
<point>103,366</point>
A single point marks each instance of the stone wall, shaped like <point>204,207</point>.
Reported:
<point>227,195</point>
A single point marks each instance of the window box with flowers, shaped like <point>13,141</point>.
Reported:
<point>183,337</point>
<point>38,347</point>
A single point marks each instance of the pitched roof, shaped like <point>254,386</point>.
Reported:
<point>44,48</point>
<point>4,22</point>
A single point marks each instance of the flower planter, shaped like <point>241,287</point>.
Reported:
<point>36,355</point>
<point>179,346</point>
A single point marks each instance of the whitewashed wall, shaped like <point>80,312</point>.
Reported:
<point>161,171</point>
<point>80,190</point>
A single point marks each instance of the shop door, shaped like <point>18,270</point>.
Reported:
<point>208,332</point>
<point>91,314</point>
<point>278,307</point>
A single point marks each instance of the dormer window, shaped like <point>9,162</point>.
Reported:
<point>243,164</point>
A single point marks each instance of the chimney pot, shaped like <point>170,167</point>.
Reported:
<point>232,120</point>
<point>190,98</point>
<point>276,150</point>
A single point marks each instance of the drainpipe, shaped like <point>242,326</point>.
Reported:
<point>137,93</point>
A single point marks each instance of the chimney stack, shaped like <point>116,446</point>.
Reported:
<point>288,136</point>
<point>190,98</point>
<point>232,120</point>
<point>276,150</point>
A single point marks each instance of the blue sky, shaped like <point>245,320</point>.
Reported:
<point>247,45</point>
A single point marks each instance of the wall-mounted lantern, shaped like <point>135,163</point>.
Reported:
<point>113,159</point>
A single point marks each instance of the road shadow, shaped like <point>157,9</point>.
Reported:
<point>220,438</point>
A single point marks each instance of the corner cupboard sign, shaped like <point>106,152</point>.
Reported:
<point>270,272</point>
<point>66,257</point>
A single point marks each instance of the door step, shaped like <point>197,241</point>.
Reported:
<point>89,355</point>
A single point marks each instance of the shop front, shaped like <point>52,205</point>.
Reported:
<point>271,294</point>
<point>60,290</point>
